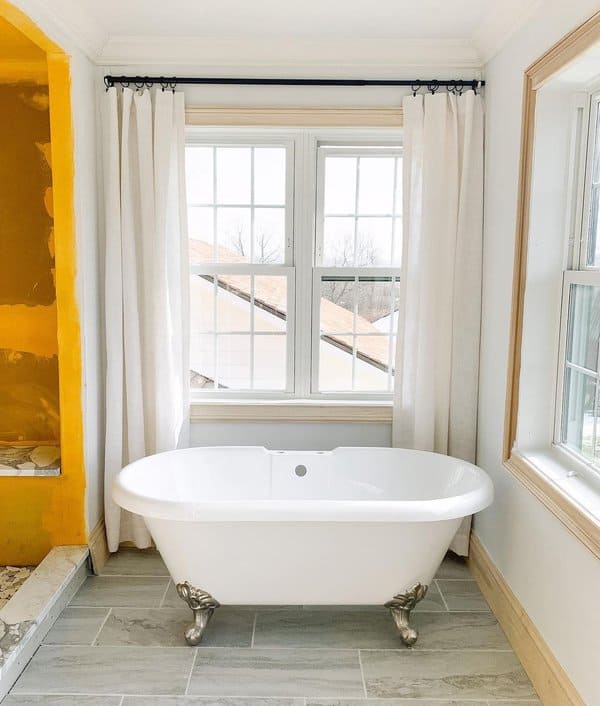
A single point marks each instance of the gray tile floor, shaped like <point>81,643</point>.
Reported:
<point>120,643</point>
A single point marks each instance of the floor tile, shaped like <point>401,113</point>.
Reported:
<point>209,701</point>
<point>106,670</point>
<point>462,595</point>
<point>15,700</point>
<point>165,627</point>
<point>335,628</point>
<point>392,702</point>
<point>433,601</point>
<point>135,562</point>
<point>459,631</point>
<point>286,672</point>
<point>76,626</point>
<point>121,591</point>
<point>453,567</point>
<point>444,675</point>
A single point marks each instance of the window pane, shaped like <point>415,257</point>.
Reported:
<point>337,305</point>
<point>594,226</point>
<point>233,303</point>
<point>270,303</point>
<point>397,254</point>
<point>201,229</point>
<point>376,186</point>
<point>335,367</point>
<point>596,169</point>
<point>233,234</point>
<point>269,235</point>
<point>372,360</point>
<point>233,361</point>
<point>374,242</point>
<point>202,304</point>
<point>199,174</point>
<point>374,302</point>
<point>269,362</point>
<point>398,196</point>
<point>269,175</point>
<point>583,329</point>
<point>578,421</point>
<point>340,185</point>
<point>202,361</point>
<point>338,242</point>
<point>233,175</point>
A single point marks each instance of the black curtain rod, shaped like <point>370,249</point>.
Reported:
<point>171,82</point>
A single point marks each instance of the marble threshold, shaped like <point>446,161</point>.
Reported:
<point>30,613</point>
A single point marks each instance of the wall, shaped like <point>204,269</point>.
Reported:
<point>552,574</point>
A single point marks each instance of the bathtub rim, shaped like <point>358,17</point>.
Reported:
<point>305,510</point>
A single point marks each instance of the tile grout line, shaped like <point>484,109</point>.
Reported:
<point>362,674</point>
<point>253,629</point>
<point>189,679</point>
<point>102,624</point>
<point>164,595</point>
<point>122,700</point>
<point>437,585</point>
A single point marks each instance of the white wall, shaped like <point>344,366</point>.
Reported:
<point>552,574</point>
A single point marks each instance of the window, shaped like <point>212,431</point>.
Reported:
<point>295,248</point>
<point>578,411</point>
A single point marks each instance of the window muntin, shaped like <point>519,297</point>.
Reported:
<point>250,337</point>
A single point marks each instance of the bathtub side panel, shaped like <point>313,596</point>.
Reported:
<point>343,563</point>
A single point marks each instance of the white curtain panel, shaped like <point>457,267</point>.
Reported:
<point>146,287</point>
<point>435,402</point>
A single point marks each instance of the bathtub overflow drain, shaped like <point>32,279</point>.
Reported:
<point>300,470</point>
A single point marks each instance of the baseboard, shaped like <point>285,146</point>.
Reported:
<point>549,679</point>
<point>98,545</point>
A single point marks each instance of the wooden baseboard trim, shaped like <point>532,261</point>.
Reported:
<point>549,679</point>
<point>98,547</point>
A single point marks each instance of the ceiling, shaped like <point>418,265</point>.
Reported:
<point>136,31</point>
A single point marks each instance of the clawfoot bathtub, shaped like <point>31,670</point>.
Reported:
<point>353,526</point>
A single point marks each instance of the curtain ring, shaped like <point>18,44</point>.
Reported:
<point>460,87</point>
<point>474,85</point>
<point>433,86</point>
<point>415,88</point>
<point>173,85</point>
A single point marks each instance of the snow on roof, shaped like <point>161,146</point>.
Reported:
<point>270,292</point>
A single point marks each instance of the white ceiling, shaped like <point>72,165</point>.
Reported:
<point>114,31</point>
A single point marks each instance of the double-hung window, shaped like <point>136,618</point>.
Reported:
<point>578,394</point>
<point>295,241</point>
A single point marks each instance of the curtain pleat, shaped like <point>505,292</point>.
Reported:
<point>146,287</point>
<point>435,399</point>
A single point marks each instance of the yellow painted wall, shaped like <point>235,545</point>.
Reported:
<point>39,513</point>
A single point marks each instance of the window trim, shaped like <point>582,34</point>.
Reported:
<point>534,477</point>
<point>305,144</point>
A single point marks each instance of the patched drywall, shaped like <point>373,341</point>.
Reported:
<point>29,407</point>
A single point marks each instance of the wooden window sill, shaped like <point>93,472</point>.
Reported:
<point>291,411</point>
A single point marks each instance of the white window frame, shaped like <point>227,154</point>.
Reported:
<point>300,261</point>
<point>578,271</point>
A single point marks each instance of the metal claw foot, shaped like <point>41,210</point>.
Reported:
<point>203,605</point>
<point>400,607</point>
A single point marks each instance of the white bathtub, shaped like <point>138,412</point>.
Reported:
<point>349,526</point>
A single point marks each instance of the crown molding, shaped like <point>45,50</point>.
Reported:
<point>499,25</point>
<point>293,55</point>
